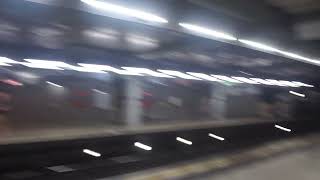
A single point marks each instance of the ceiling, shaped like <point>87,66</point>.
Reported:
<point>51,29</point>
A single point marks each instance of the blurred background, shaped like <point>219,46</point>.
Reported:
<point>84,83</point>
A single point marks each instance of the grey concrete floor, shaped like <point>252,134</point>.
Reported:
<point>300,165</point>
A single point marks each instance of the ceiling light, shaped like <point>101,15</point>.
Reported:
<point>54,84</point>
<point>302,84</point>
<point>41,66</point>
<point>113,8</point>
<point>44,64</point>
<point>297,94</point>
<point>282,128</point>
<point>178,74</point>
<point>86,69</point>
<point>259,45</point>
<point>57,65</point>
<point>288,83</point>
<point>143,146</point>
<point>296,56</point>
<point>246,73</point>
<point>4,64</point>
<point>6,61</point>
<point>276,82</point>
<point>203,76</point>
<point>262,81</point>
<point>208,32</point>
<point>92,153</point>
<point>184,141</point>
<point>216,137</point>
<point>146,71</point>
<point>98,91</point>
<point>246,80</point>
<point>225,78</point>
<point>109,68</point>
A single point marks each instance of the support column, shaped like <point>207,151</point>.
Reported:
<point>133,106</point>
<point>218,101</point>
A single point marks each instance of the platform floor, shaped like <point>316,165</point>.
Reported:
<point>299,165</point>
<point>295,158</point>
<point>30,131</point>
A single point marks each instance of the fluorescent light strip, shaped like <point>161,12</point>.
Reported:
<point>143,146</point>
<point>58,65</point>
<point>135,71</point>
<point>86,69</point>
<point>178,74</point>
<point>288,83</point>
<point>113,8</point>
<point>146,71</point>
<point>54,63</point>
<point>296,56</point>
<point>4,64</point>
<point>41,66</point>
<point>270,48</point>
<point>208,32</point>
<point>282,128</point>
<point>203,76</point>
<point>54,84</point>
<point>216,137</point>
<point>92,153</point>
<point>262,81</point>
<point>44,64</point>
<point>276,82</point>
<point>302,84</point>
<point>6,61</point>
<point>110,69</point>
<point>98,91</point>
<point>297,94</point>
<point>184,141</point>
<point>258,45</point>
<point>246,73</point>
<point>245,80</point>
<point>225,78</point>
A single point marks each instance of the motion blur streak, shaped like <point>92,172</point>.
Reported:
<point>178,74</point>
<point>302,84</point>
<point>146,71</point>
<point>225,78</point>
<point>208,32</point>
<point>216,137</point>
<point>297,56</point>
<point>297,94</point>
<point>288,83</point>
<point>98,91</point>
<point>4,61</point>
<point>282,128</point>
<point>135,71</point>
<point>92,153</point>
<point>262,81</point>
<point>246,80</point>
<point>109,68</point>
<point>184,141</point>
<point>203,76</point>
<point>125,11</point>
<point>54,84</point>
<point>44,64</point>
<point>258,45</point>
<point>278,83</point>
<point>12,82</point>
<point>143,146</point>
